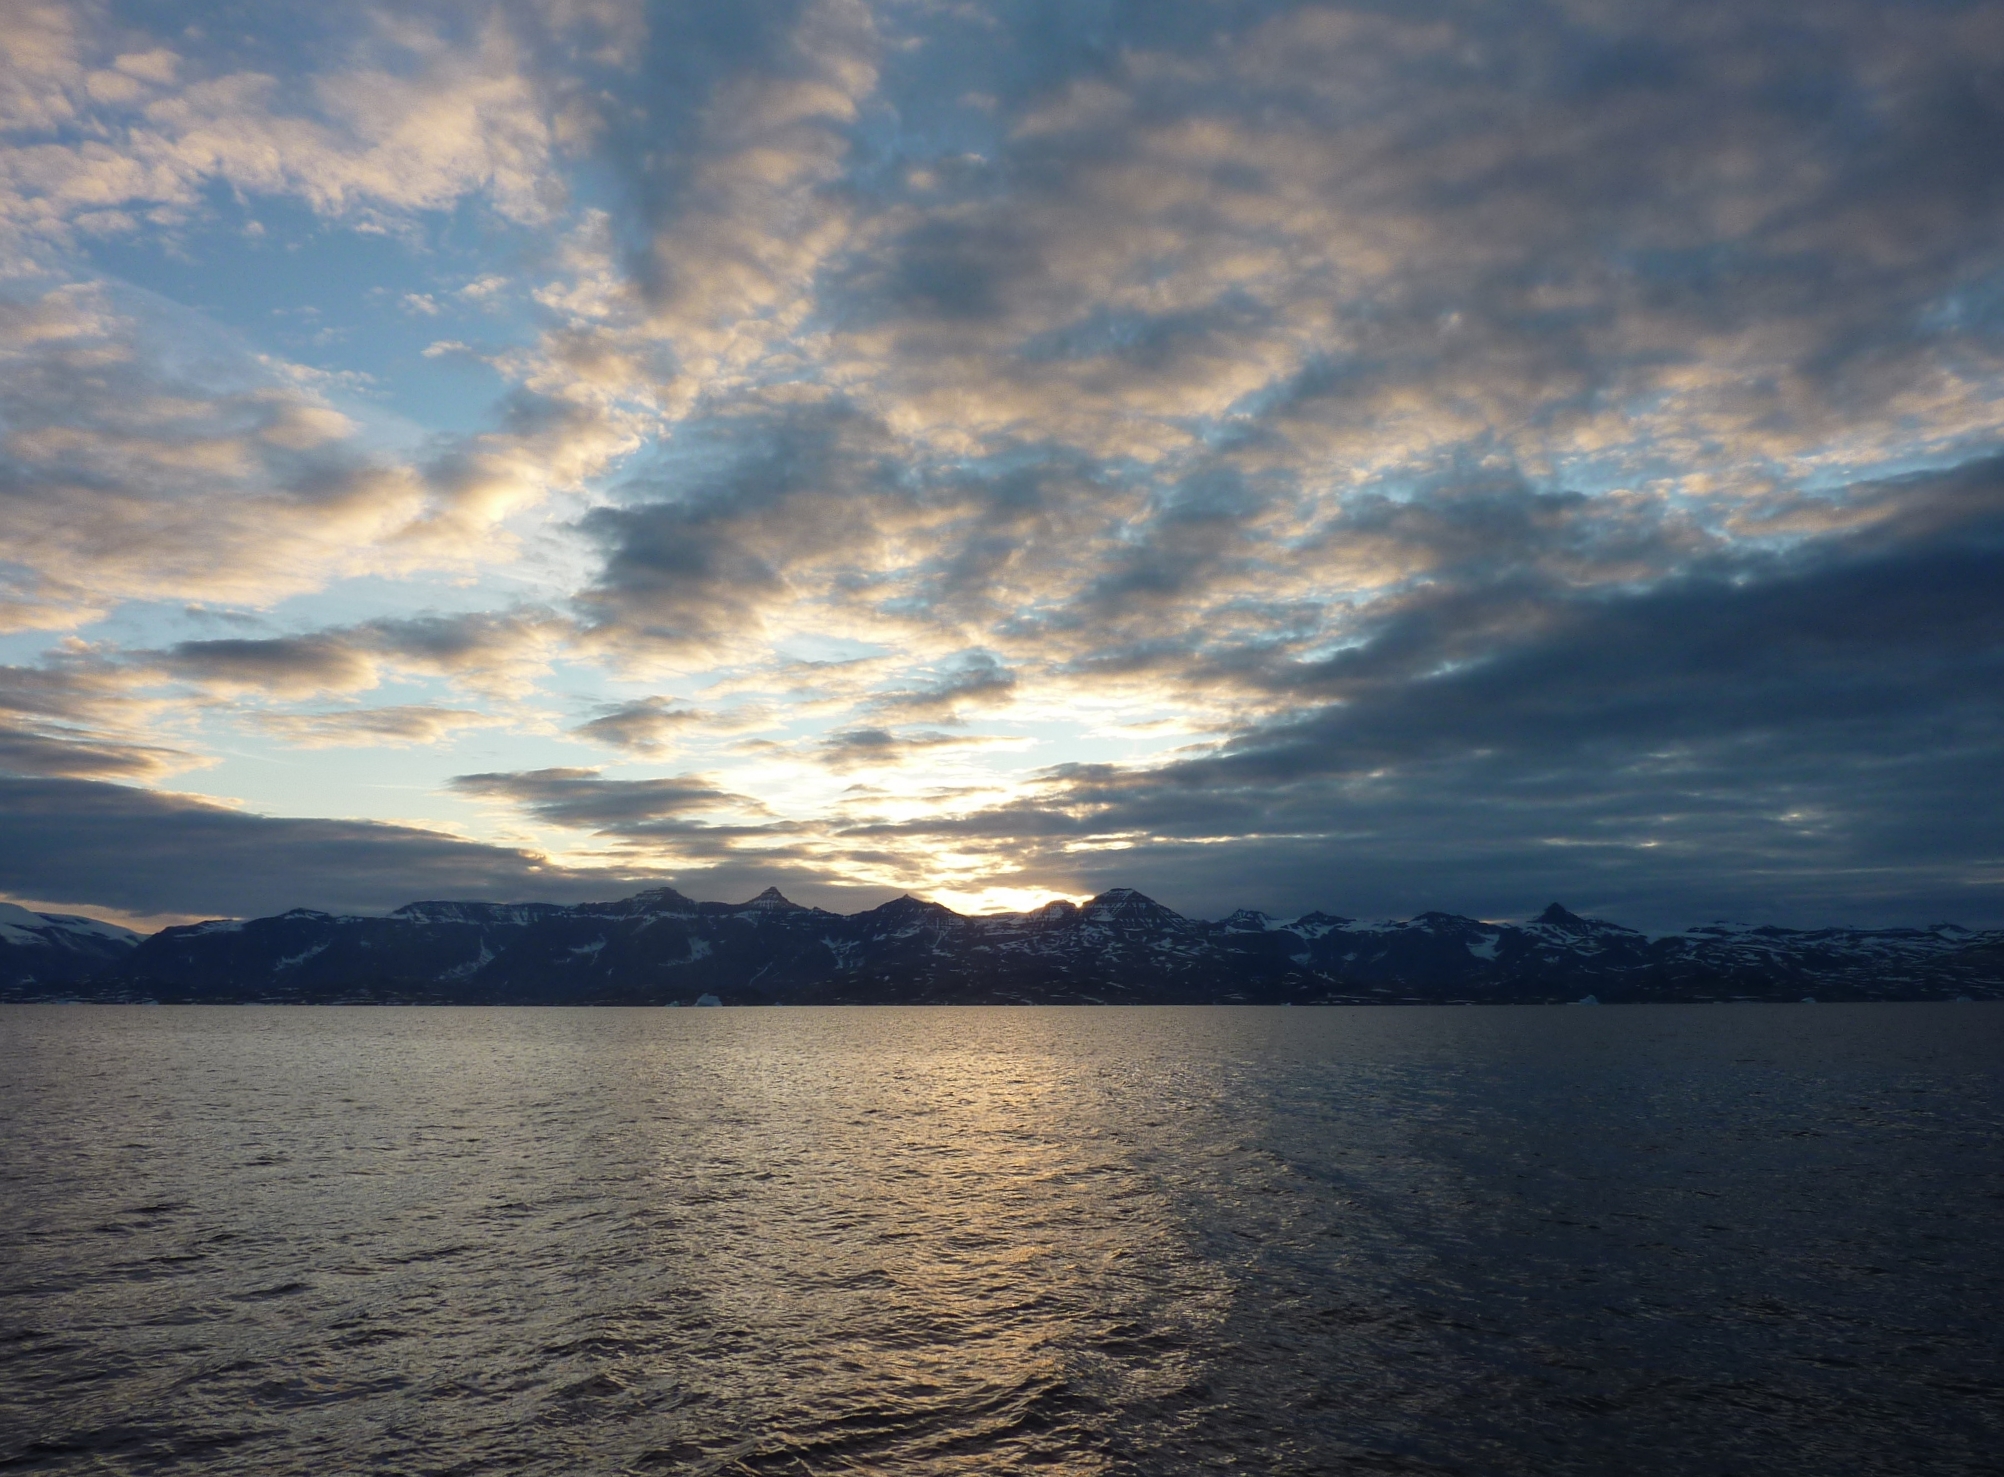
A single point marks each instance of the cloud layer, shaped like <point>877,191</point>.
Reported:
<point>152,853</point>
<point>1293,455</point>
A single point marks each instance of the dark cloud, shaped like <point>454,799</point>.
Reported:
<point>643,726</point>
<point>848,748</point>
<point>1803,732</point>
<point>695,566</point>
<point>463,641</point>
<point>74,717</point>
<point>480,648</point>
<point>276,664</point>
<point>585,799</point>
<point>1794,726</point>
<point>45,751</point>
<point>690,50</point>
<point>148,853</point>
<point>974,680</point>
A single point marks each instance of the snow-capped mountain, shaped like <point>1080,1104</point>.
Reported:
<point>660,947</point>
<point>46,952</point>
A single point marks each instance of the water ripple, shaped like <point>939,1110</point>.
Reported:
<point>1654,1240</point>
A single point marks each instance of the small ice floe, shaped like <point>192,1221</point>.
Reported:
<point>1964,1000</point>
<point>1588,1000</point>
<point>1808,999</point>
<point>708,1000</point>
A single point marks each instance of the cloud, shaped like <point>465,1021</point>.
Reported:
<point>400,726</point>
<point>145,852</point>
<point>79,716</point>
<point>413,120</point>
<point>975,680</point>
<point>730,275</point>
<point>43,67</point>
<point>281,666</point>
<point>1218,337</point>
<point>150,854</point>
<point>128,475</point>
<point>494,652</point>
<point>95,711</point>
<point>793,514</point>
<point>644,726</point>
<point>1796,726</point>
<point>850,748</point>
<point>123,479</point>
<point>1383,237</point>
<point>148,455</point>
<point>1397,458</point>
<point>489,651</point>
<point>584,799</point>
<point>1799,734</point>
<point>40,750</point>
<point>686,826</point>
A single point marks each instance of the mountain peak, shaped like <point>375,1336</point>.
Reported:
<point>659,898</point>
<point>1598,930</point>
<point>907,906</point>
<point>772,900</point>
<point>1125,905</point>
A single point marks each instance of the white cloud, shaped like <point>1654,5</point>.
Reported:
<point>134,470</point>
<point>415,124</point>
<point>401,726</point>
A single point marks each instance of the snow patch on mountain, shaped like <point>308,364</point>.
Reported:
<point>19,926</point>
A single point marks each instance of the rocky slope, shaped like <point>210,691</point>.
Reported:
<point>660,948</point>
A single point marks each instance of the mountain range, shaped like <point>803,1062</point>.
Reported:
<point>661,948</point>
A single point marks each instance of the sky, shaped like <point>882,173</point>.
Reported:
<point>1361,457</point>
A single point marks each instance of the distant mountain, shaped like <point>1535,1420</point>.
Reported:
<point>45,952</point>
<point>659,948</point>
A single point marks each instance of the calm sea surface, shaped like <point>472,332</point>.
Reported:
<point>1690,1240</point>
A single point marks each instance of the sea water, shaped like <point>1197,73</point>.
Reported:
<point>1689,1240</point>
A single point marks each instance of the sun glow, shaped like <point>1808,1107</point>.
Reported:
<point>1000,899</point>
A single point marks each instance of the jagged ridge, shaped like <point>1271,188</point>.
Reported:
<point>659,947</point>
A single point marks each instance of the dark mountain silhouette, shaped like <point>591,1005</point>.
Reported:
<point>659,948</point>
